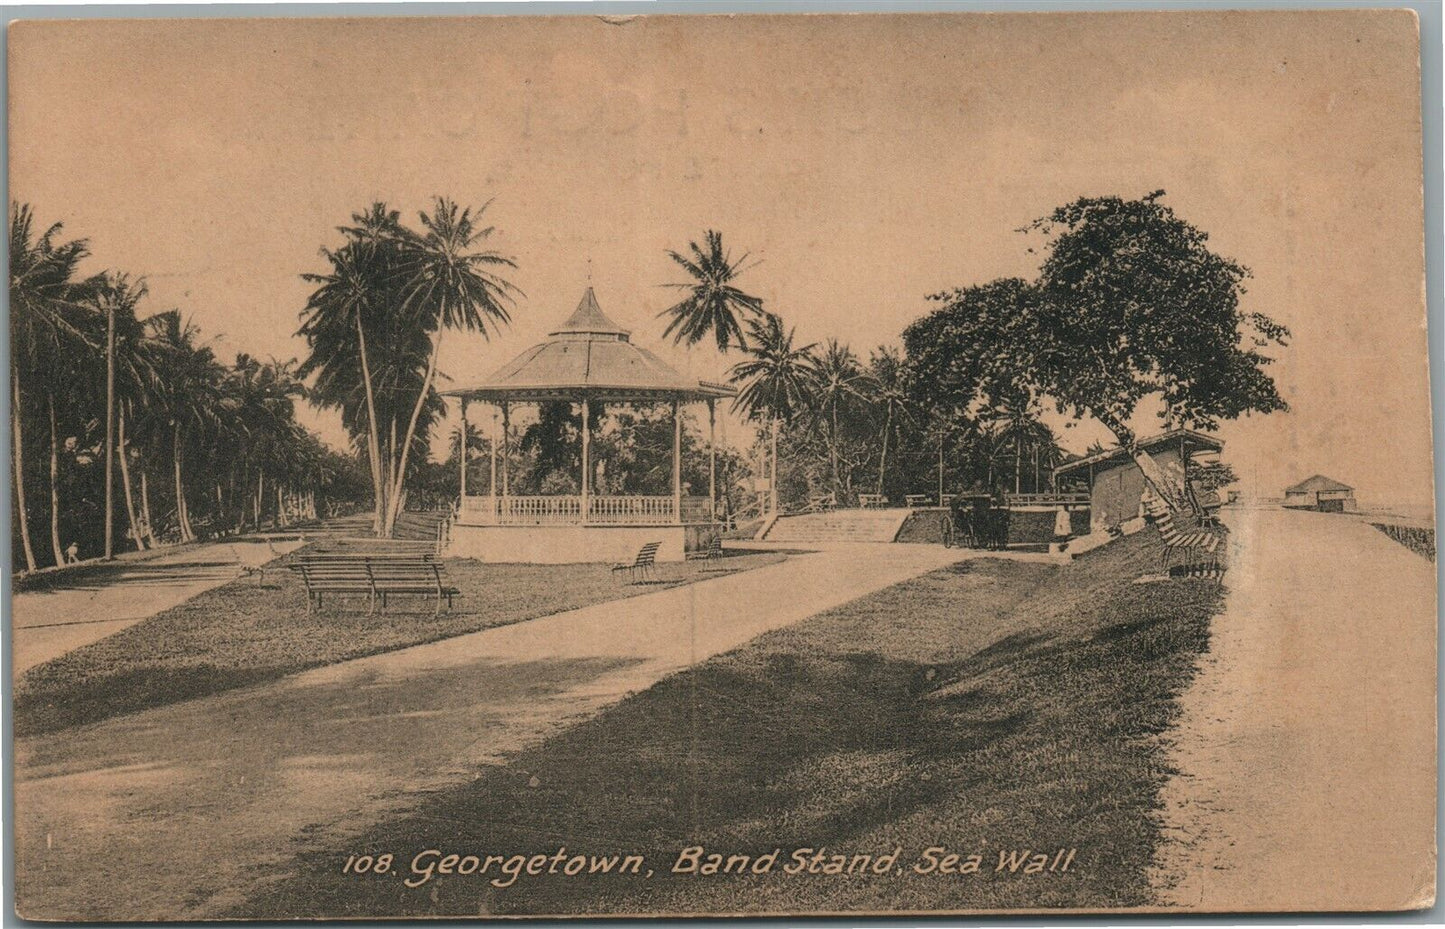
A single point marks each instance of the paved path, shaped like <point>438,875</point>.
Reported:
<point>182,811</point>
<point>1307,743</point>
<point>48,623</point>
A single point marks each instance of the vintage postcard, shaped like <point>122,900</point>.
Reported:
<point>721,464</point>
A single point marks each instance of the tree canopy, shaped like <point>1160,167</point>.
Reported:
<point>1130,302</point>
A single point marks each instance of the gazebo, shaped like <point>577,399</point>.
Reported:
<point>589,358</point>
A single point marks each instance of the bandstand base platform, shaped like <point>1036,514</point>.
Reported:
<point>574,544</point>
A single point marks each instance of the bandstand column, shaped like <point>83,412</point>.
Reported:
<point>586,460</point>
<point>492,446</point>
<point>462,456</point>
<point>712,460</point>
<point>506,443</point>
<point>676,461</point>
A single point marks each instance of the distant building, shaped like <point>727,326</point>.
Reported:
<point>1116,485</point>
<point>1320,493</point>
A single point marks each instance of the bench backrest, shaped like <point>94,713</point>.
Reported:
<point>646,555</point>
<point>362,557</point>
<point>370,571</point>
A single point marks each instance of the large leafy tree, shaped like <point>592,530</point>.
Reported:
<point>713,305</point>
<point>1130,303</point>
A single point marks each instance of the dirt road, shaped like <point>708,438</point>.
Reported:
<point>1307,744</point>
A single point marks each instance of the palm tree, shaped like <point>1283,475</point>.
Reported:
<point>133,376</point>
<point>713,305</point>
<point>1015,425</point>
<point>46,328</point>
<point>265,427</point>
<point>115,299</point>
<point>346,301</point>
<point>193,400</point>
<point>888,389</point>
<point>778,380</point>
<point>451,286</point>
<point>839,380</point>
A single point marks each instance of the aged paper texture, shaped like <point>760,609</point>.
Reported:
<point>704,465</point>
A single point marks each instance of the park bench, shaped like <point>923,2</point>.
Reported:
<point>642,564</point>
<point>712,552</point>
<point>1198,549</point>
<point>913,501</point>
<point>378,575</point>
<point>872,501</point>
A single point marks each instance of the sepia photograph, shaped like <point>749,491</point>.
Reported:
<point>719,465</point>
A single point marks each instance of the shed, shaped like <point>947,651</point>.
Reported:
<point>1321,493</point>
<point>1116,485</point>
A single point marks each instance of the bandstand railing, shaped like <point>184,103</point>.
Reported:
<point>566,510</point>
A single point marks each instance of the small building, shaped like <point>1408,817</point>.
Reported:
<point>1320,493</point>
<point>1115,484</point>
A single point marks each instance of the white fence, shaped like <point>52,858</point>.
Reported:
<point>634,510</point>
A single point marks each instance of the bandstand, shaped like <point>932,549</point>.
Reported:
<point>588,359</point>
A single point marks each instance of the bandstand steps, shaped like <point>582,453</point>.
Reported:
<point>839,526</point>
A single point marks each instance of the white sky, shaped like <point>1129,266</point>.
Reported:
<point>868,161</point>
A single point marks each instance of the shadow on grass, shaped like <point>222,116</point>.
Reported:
<point>984,707</point>
<point>244,632</point>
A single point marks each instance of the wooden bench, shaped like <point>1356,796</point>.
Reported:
<point>379,576</point>
<point>711,552</point>
<point>642,564</point>
<point>913,501</point>
<point>1197,548</point>
<point>872,501</point>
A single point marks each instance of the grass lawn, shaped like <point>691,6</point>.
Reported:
<point>243,633</point>
<point>984,707</point>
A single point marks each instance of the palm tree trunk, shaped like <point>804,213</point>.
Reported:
<point>394,504</point>
<point>1018,465</point>
<point>373,436</point>
<point>833,452</point>
<point>145,506</point>
<point>135,530</point>
<point>19,457</point>
<point>55,487</point>
<point>260,495</point>
<point>183,520</point>
<point>773,481</point>
<point>883,457</point>
<point>109,432</point>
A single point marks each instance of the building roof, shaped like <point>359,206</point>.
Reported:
<point>1316,484</point>
<point>589,355</point>
<point>1193,442</point>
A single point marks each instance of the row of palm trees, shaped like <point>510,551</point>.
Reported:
<point>840,420</point>
<point>200,446</point>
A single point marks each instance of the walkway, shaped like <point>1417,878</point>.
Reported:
<point>182,811</point>
<point>48,623</point>
<point>1307,744</point>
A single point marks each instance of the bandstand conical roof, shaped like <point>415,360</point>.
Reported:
<point>589,355</point>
